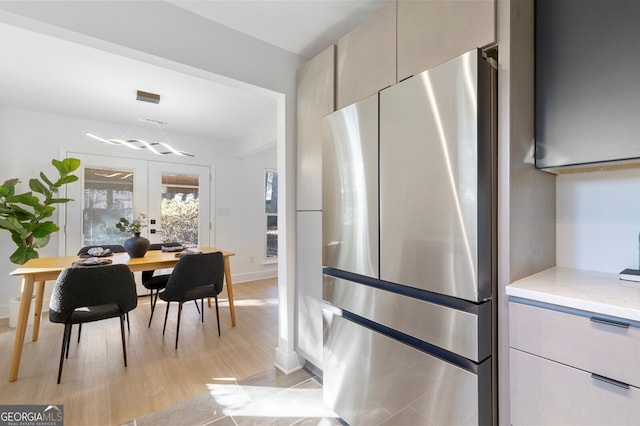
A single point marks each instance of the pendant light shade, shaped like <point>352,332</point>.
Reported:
<point>159,147</point>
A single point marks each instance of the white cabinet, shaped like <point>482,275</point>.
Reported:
<point>366,57</point>
<point>309,286</point>
<point>407,37</point>
<point>572,367</point>
<point>432,32</point>
<point>315,99</point>
<point>544,392</point>
<point>593,342</point>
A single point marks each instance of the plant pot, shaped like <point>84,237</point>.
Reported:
<point>136,246</point>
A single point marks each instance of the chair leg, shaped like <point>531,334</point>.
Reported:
<point>128,327</point>
<point>197,307</point>
<point>166,314</point>
<point>124,346</point>
<point>65,339</point>
<point>154,300</point>
<point>69,338</point>
<point>201,312</point>
<point>217,315</point>
<point>79,331</point>
<point>178,326</point>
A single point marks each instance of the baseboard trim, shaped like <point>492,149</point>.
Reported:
<point>288,362</point>
<point>254,276</point>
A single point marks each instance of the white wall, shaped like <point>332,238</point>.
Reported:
<point>238,183</point>
<point>598,220</point>
<point>240,218</point>
<point>179,39</point>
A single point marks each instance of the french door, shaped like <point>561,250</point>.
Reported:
<point>179,200</point>
<point>175,199</point>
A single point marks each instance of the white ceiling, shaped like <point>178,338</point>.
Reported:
<point>53,75</point>
<point>304,27</point>
<point>48,74</point>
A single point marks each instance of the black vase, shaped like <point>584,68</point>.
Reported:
<point>136,246</point>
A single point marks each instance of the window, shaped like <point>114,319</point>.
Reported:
<point>271,213</point>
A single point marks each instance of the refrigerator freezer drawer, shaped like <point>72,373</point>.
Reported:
<point>464,333</point>
<point>371,379</point>
<point>350,188</point>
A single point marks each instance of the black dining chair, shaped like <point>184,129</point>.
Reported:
<point>91,293</point>
<point>114,248</point>
<point>155,283</point>
<point>195,276</point>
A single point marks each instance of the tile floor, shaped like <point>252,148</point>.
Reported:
<point>269,398</point>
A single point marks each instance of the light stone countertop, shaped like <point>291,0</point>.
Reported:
<point>598,292</point>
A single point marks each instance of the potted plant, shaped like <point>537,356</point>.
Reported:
<point>136,246</point>
<point>26,215</point>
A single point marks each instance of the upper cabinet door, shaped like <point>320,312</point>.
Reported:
<point>315,95</point>
<point>432,32</point>
<point>587,91</point>
<point>367,57</point>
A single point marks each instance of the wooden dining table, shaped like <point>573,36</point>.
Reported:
<point>40,270</point>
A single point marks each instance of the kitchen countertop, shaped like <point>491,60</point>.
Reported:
<point>597,292</point>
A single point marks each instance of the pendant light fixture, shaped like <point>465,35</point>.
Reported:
<point>157,147</point>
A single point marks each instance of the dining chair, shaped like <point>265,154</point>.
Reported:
<point>195,276</point>
<point>84,294</point>
<point>114,248</point>
<point>155,283</point>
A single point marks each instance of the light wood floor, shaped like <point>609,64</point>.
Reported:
<point>96,388</point>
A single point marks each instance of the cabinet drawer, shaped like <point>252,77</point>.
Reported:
<point>544,392</point>
<point>577,341</point>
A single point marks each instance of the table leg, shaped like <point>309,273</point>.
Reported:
<point>37,314</point>
<point>227,276</point>
<point>21,326</point>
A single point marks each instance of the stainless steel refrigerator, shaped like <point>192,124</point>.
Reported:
<point>409,250</point>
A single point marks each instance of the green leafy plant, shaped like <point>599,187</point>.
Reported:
<point>24,215</point>
<point>133,227</point>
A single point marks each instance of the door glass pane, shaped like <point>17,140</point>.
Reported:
<point>108,196</point>
<point>180,209</point>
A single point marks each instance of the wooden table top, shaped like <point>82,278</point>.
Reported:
<point>153,259</point>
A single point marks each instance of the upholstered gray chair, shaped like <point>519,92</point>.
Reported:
<point>114,248</point>
<point>195,276</point>
<point>91,293</point>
